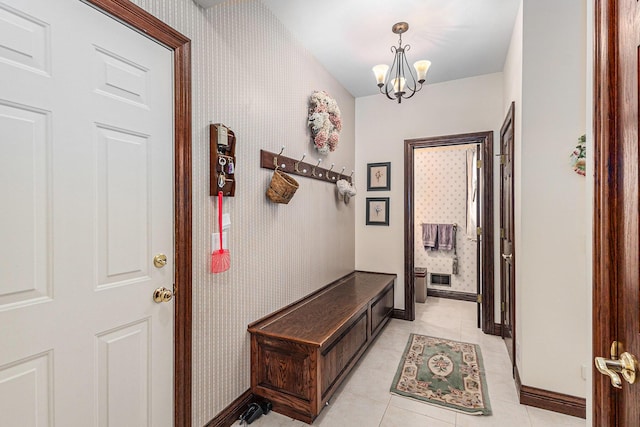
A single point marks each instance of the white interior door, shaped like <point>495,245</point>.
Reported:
<point>86,202</point>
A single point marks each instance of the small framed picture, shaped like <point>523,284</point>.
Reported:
<point>377,211</point>
<point>379,176</point>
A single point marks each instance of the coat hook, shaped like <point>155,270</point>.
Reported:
<point>298,164</point>
<point>275,158</point>
<point>343,168</point>
<point>330,169</point>
<point>351,176</point>
<point>313,171</point>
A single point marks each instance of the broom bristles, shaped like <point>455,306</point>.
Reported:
<point>220,260</point>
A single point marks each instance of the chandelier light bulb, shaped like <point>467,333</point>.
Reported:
<point>398,88</point>
<point>421,69</point>
<point>380,72</point>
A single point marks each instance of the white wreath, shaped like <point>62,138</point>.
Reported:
<point>324,121</point>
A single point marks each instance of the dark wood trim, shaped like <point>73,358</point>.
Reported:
<point>398,314</point>
<point>607,182</point>
<point>497,329</point>
<point>516,377</point>
<point>509,124</point>
<point>550,400</point>
<point>409,244</point>
<point>460,296</point>
<point>150,26</point>
<point>485,139</point>
<point>231,413</point>
<point>292,166</point>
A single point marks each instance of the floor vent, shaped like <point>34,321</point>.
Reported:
<point>440,279</point>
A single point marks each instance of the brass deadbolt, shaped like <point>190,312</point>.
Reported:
<point>160,260</point>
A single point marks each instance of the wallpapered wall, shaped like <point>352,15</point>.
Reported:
<point>440,198</point>
<point>250,74</point>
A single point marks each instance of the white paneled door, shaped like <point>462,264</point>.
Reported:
<point>86,203</point>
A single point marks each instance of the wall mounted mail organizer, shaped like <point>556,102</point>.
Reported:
<point>269,160</point>
<point>222,160</point>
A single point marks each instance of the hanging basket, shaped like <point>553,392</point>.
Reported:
<point>281,188</point>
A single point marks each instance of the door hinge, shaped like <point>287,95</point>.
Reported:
<point>175,289</point>
<point>502,307</point>
<point>479,231</point>
<point>479,164</point>
<point>502,233</point>
<point>503,159</point>
<point>479,299</point>
<point>615,350</point>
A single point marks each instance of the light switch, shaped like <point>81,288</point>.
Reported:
<point>222,136</point>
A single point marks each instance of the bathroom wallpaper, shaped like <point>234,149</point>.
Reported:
<point>440,197</point>
<point>250,74</point>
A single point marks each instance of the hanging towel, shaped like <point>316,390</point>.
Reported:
<point>446,237</point>
<point>430,236</point>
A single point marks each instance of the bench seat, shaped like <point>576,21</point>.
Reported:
<point>301,353</point>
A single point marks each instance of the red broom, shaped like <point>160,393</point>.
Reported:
<point>220,258</point>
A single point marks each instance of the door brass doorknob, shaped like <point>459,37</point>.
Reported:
<point>162,295</point>
<point>625,365</point>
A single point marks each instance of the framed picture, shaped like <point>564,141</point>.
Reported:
<point>379,176</point>
<point>377,211</point>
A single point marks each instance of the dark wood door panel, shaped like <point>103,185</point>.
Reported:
<point>616,250</point>
<point>507,235</point>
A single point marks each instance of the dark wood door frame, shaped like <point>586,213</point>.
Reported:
<point>508,127</point>
<point>150,26</point>
<point>608,215</point>
<point>485,139</point>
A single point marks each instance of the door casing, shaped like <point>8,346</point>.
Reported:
<point>485,140</point>
<point>149,26</point>
<point>508,296</point>
<point>615,226</point>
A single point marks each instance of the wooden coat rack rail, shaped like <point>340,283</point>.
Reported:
<point>269,160</point>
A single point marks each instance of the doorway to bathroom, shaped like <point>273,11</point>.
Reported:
<point>465,259</point>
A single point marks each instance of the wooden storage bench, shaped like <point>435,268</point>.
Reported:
<point>301,353</point>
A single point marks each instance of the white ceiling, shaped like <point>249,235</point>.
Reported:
<point>462,38</point>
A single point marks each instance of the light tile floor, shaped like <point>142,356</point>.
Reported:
<point>364,399</point>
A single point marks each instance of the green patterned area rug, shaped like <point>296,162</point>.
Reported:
<point>445,373</point>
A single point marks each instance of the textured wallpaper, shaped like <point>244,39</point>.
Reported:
<point>250,74</point>
<point>440,197</point>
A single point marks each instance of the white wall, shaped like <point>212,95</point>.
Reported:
<point>551,238</point>
<point>513,93</point>
<point>589,205</point>
<point>279,253</point>
<point>455,107</point>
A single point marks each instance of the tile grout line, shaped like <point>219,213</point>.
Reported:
<point>385,412</point>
